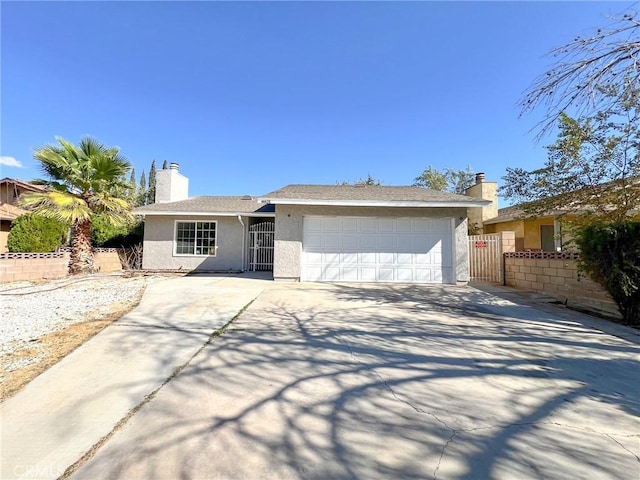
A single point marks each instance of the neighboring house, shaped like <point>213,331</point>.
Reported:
<point>10,191</point>
<point>547,232</point>
<point>350,233</point>
<point>543,233</point>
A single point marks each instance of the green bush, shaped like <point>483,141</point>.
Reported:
<point>610,254</point>
<point>34,233</point>
<point>104,234</point>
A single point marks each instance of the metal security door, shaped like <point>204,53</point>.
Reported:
<point>485,258</point>
<point>261,246</point>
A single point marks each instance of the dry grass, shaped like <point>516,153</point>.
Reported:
<point>44,352</point>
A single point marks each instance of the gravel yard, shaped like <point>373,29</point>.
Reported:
<point>29,311</point>
<point>42,322</point>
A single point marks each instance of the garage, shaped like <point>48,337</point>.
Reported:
<point>377,249</point>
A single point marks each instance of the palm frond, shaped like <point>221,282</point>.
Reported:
<point>60,205</point>
<point>116,211</point>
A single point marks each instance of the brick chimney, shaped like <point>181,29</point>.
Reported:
<point>171,185</point>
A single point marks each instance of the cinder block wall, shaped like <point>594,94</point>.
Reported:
<point>107,260</point>
<point>557,275</point>
<point>15,267</point>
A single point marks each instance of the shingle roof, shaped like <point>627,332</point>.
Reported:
<point>208,204</point>
<point>368,193</point>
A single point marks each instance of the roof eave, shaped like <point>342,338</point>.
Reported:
<point>377,203</point>
<point>202,214</point>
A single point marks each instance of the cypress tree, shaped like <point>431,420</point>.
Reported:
<point>151,192</point>
<point>142,189</point>
<point>131,190</point>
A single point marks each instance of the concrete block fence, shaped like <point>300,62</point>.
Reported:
<point>16,267</point>
<point>557,275</point>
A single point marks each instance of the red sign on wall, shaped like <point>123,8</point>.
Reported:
<point>481,244</point>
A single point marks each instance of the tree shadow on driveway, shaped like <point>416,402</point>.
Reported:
<point>347,381</point>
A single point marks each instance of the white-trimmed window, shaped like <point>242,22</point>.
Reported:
<point>195,238</point>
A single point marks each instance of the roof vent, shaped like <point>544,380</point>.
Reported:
<point>247,197</point>
<point>360,185</point>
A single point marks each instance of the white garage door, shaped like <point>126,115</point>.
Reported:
<point>374,249</point>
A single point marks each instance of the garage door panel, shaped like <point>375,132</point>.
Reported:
<point>422,259</point>
<point>350,224</point>
<point>313,224</point>
<point>349,274</point>
<point>424,275</point>
<point>385,274</point>
<point>331,242</point>
<point>367,274</point>
<point>331,258</point>
<point>403,274</point>
<point>332,224</point>
<point>377,249</point>
<point>386,258</point>
<point>404,258</point>
<point>405,243</point>
<point>367,224</point>
<point>367,243</point>
<point>385,243</point>
<point>350,243</point>
<point>331,274</point>
<point>386,225</point>
<point>313,242</point>
<point>367,258</point>
<point>349,258</point>
<point>314,258</point>
<point>404,226</point>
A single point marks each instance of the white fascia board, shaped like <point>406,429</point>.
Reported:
<point>376,203</point>
<point>205,214</point>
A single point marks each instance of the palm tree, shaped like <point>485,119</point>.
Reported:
<point>83,178</point>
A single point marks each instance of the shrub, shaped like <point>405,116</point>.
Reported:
<point>106,235</point>
<point>34,233</point>
<point>610,254</point>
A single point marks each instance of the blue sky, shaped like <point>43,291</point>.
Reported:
<point>248,97</point>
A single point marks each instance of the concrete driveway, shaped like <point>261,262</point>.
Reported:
<point>327,381</point>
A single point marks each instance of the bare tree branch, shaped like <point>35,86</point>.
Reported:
<point>608,59</point>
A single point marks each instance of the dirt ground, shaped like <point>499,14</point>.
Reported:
<point>45,351</point>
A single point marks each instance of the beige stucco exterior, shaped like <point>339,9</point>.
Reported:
<point>527,231</point>
<point>5,226</point>
<point>158,249</point>
<point>477,215</point>
<point>289,230</point>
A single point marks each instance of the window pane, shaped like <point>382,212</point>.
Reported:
<point>185,238</point>
<point>206,238</point>
<point>195,238</point>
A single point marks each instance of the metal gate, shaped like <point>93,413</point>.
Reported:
<point>485,258</point>
<point>261,246</point>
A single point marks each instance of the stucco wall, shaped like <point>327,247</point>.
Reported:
<point>288,233</point>
<point>171,186</point>
<point>5,226</point>
<point>527,231</point>
<point>158,248</point>
<point>486,191</point>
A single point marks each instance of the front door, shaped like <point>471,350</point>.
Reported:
<point>261,246</point>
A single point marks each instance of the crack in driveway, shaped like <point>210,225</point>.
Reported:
<point>456,431</point>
